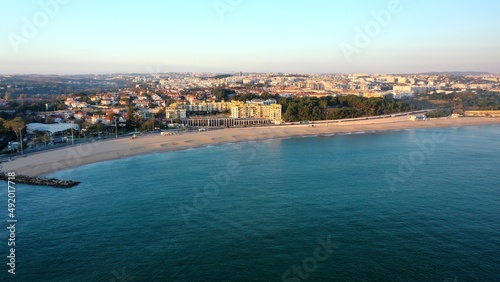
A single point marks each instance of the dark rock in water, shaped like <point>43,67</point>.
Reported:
<point>40,181</point>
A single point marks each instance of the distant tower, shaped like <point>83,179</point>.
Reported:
<point>240,74</point>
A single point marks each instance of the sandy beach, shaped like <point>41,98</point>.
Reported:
<point>42,163</point>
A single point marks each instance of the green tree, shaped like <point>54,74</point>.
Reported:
<point>2,127</point>
<point>291,113</point>
<point>41,136</point>
<point>15,125</point>
<point>148,125</point>
<point>311,108</point>
<point>222,93</point>
<point>160,114</point>
<point>132,121</point>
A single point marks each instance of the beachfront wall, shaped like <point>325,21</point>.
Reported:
<point>224,122</point>
<point>482,113</point>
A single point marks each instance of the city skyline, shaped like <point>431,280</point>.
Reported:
<point>225,36</point>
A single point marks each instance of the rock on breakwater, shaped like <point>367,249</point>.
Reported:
<point>41,181</point>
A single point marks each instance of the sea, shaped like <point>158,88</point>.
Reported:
<point>408,205</point>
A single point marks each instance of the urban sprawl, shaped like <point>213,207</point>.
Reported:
<point>103,105</point>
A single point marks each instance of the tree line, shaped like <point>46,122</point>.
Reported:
<point>459,102</point>
<point>328,108</point>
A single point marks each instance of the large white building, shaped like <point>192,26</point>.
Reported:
<point>257,110</point>
<point>175,113</point>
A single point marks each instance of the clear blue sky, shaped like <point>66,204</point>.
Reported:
<point>91,36</point>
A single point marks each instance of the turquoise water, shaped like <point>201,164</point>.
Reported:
<point>360,207</point>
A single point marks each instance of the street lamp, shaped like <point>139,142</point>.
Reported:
<point>21,139</point>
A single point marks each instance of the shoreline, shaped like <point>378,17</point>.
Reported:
<point>47,162</point>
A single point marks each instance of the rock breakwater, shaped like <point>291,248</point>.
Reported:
<point>41,181</point>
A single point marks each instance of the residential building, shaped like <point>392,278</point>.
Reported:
<point>258,111</point>
<point>175,113</point>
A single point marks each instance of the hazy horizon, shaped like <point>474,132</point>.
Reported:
<point>69,37</point>
<point>244,72</point>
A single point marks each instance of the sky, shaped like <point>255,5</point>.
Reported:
<point>225,36</point>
